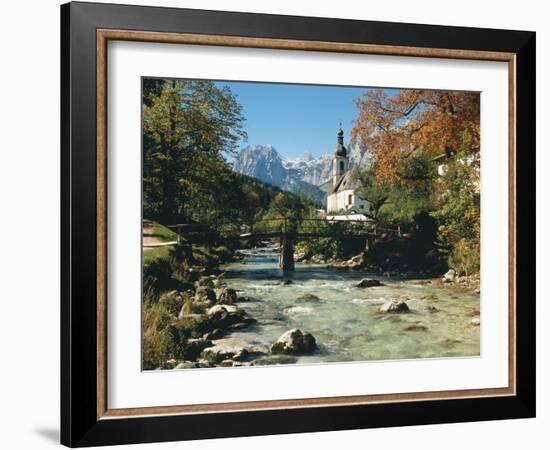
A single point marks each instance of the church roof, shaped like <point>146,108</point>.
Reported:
<point>346,181</point>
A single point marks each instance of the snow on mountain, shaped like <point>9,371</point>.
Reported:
<point>261,162</point>
<point>314,171</point>
<point>302,175</point>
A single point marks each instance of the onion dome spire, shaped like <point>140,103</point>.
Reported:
<point>340,149</point>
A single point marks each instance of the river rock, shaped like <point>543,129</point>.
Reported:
<point>416,327</point>
<point>317,259</point>
<point>232,349</point>
<point>226,295</point>
<point>294,342</point>
<point>193,348</point>
<point>229,317</point>
<point>394,306</point>
<point>219,281</point>
<point>286,282</point>
<point>449,277</point>
<point>204,363</point>
<point>272,360</point>
<point>341,265</point>
<point>205,294</point>
<point>243,322</point>
<point>217,354</point>
<point>246,298</point>
<point>205,282</point>
<point>300,256</point>
<point>214,334</point>
<point>308,298</point>
<point>186,365</point>
<point>368,282</point>
<point>228,309</point>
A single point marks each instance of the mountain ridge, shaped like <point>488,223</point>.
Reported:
<point>302,175</point>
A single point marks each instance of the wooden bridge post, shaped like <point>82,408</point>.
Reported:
<point>286,257</point>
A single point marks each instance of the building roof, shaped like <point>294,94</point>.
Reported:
<point>346,181</point>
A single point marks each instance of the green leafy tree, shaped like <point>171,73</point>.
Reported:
<point>458,213</point>
<point>400,200</point>
<point>285,210</point>
<point>189,126</point>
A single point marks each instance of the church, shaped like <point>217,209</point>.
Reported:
<point>342,194</point>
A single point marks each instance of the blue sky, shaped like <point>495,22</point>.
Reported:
<point>295,118</point>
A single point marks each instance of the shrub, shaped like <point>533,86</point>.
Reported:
<point>327,247</point>
<point>157,277</point>
<point>464,257</point>
<point>156,319</point>
<point>192,326</point>
<point>172,301</point>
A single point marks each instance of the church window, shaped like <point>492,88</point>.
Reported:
<point>341,166</point>
<point>350,199</point>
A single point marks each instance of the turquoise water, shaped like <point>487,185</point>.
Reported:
<point>345,321</point>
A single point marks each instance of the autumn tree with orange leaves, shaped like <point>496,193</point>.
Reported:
<point>415,122</point>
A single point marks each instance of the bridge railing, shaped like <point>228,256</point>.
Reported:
<point>323,226</point>
<point>282,225</point>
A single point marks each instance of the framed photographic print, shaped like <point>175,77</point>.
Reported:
<point>277,224</point>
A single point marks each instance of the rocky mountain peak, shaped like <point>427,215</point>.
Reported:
<point>303,174</point>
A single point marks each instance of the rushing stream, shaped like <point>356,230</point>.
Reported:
<point>345,320</point>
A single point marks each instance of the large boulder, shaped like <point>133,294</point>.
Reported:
<point>217,354</point>
<point>368,282</point>
<point>449,277</point>
<point>294,342</point>
<point>229,349</point>
<point>226,295</point>
<point>394,306</point>
<point>229,317</point>
<point>223,309</point>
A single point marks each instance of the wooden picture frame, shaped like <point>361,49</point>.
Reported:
<point>85,417</point>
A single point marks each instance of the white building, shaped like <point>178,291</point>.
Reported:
<point>341,193</point>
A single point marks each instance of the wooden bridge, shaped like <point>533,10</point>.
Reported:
<point>289,231</point>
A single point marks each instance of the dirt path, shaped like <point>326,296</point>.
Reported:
<point>154,241</point>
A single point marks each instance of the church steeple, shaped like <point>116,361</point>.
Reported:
<point>340,159</point>
<point>340,149</point>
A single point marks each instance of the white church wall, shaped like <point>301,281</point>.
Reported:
<point>346,200</point>
<point>332,205</point>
